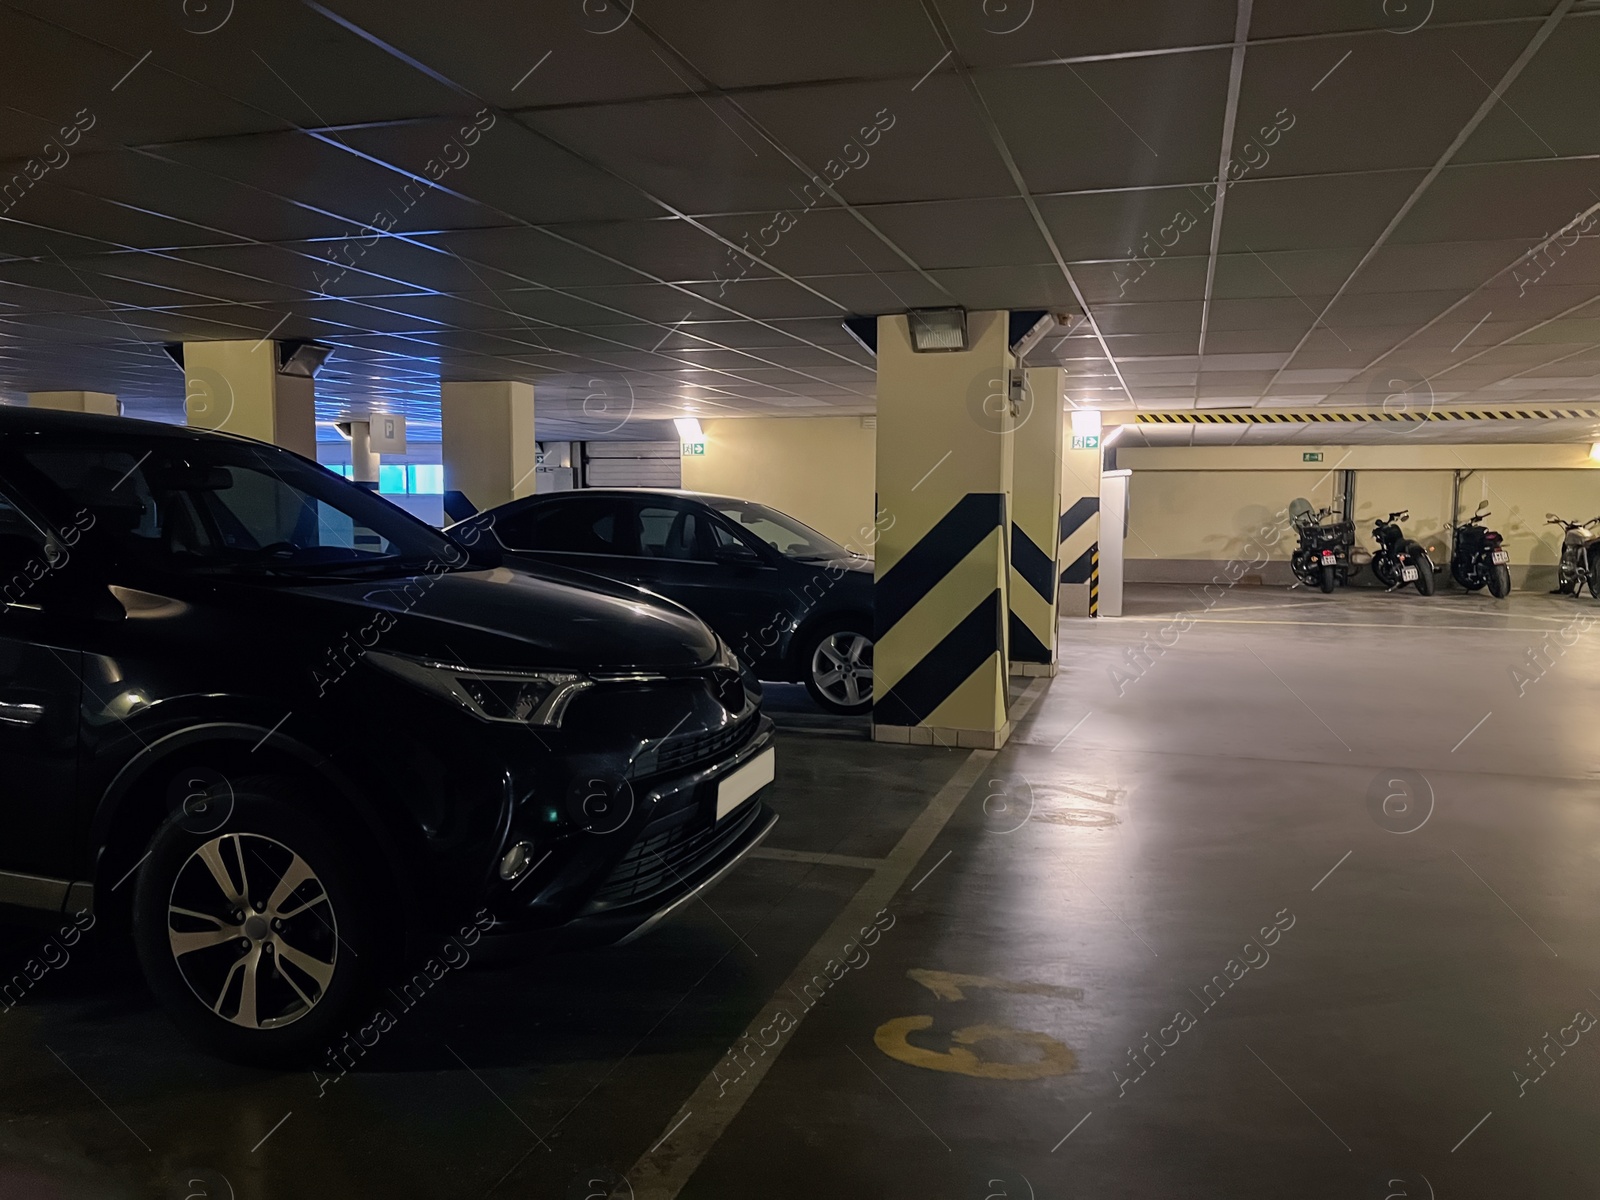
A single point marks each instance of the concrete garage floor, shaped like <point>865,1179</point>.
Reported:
<point>1047,912</point>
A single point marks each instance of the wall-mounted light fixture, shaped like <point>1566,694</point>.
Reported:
<point>691,438</point>
<point>1594,451</point>
<point>1086,425</point>
<point>935,330</point>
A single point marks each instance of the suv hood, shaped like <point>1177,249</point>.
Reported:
<point>525,619</point>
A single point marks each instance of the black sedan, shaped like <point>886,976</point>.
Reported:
<point>792,603</point>
<point>294,740</point>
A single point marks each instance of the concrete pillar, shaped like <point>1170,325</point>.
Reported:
<point>944,469</point>
<point>103,403</point>
<point>1036,524</point>
<point>364,461</point>
<point>1080,528</point>
<point>487,440</point>
<point>235,387</point>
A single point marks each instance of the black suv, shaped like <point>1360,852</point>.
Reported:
<point>299,740</point>
<point>796,605</point>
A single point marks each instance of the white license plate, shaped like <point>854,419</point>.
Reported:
<point>1500,556</point>
<point>1409,574</point>
<point>733,790</point>
<point>1329,559</point>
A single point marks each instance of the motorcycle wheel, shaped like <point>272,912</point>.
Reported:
<point>1327,580</point>
<point>1500,581</point>
<point>1594,573</point>
<point>1425,576</point>
<point>1383,570</point>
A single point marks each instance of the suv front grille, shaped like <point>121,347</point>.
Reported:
<point>659,862</point>
<point>686,750</point>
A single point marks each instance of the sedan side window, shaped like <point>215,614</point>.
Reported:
<point>671,531</point>
<point>588,525</point>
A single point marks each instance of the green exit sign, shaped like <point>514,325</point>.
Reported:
<point>1086,442</point>
<point>693,449</point>
<point>1311,456</point>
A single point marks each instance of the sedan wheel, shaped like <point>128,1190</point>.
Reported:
<point>840,670</point>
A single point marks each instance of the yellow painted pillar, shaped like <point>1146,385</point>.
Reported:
<point>1079,548</point>
<point>488,445</point>
<point>1036,524</point>
<point>235,387</point>
<point>103,403</point>
<point>944,469</point>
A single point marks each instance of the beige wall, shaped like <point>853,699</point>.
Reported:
<point>1194,507</point>
<point>817,469</point>
<point>1213,515</point>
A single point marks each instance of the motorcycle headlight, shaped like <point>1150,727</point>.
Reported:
<point>511,697</point>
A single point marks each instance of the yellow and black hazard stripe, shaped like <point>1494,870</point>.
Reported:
<point>1031,637</point>
<point>1359,416</point>
<point>1079,544</point>
<point>942,658</point>
<point>1094,580</point>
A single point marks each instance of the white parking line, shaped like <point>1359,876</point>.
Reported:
<point>663,1172</point>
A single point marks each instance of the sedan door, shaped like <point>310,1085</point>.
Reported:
<point>687,555</point>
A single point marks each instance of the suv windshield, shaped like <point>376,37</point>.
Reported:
<point>783,533</point>
<point>219,505</point>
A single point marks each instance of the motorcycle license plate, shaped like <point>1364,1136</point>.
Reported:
<point>1409,574</point>
<point>1329,558</point>
<point>1501,556</point>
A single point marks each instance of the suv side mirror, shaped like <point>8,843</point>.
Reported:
<point>734,553</point>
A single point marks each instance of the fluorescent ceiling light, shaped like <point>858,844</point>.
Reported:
<point>937,329</point>
<point>689,429</point>
<point>1594,451</point>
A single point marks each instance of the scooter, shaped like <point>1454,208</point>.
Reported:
<point>1580,556</point>
<point>1398,560</point>
<point>1478,557</point>
<point>1323,559</point>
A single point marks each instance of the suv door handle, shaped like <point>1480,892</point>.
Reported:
<point>16,712</point>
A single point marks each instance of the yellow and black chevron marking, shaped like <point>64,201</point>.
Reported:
<point>1037,570</point>
<point>1359,417</point>
<point>1094,580</point>
<point>945,665</point>
<point>1073,520</point>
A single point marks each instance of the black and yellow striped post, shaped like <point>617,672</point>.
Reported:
<point>1035,522</point>
<point>944,472</point>
<point>1094,580</point>
<point>1079,534</point>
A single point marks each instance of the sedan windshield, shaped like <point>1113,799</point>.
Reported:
<point>780,531</point>
<point>216,505</point>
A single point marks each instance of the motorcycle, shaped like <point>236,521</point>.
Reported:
<point>1398,560</point>
<point>1580,556</point>
<point>1478,557</point>
<point>1323,558</point>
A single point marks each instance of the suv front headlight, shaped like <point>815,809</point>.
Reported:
<point>510,697</point>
